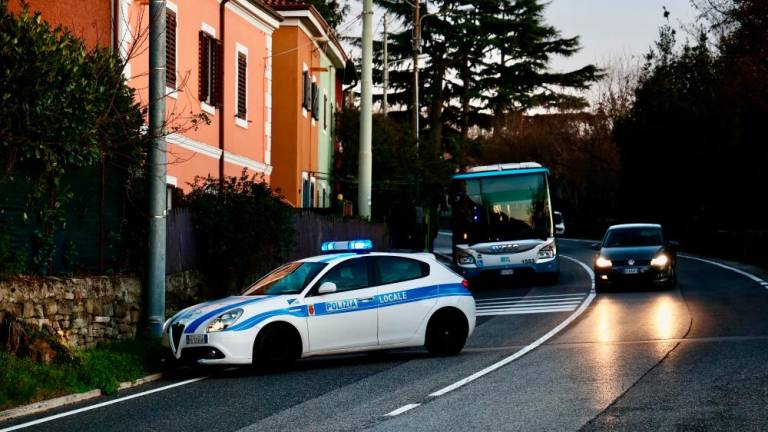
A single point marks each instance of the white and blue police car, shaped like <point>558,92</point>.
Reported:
<point>347,300</point>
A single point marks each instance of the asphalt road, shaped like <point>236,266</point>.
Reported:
<point>693,358</point>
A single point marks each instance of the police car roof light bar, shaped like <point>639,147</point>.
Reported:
<point>346,246</point>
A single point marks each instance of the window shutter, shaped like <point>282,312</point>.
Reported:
<point>170,49</point>
<point>307,102</point>
<point>315,102</point>
<point>325,112</point>
<point>204,67</point>
<point>242,68</point>
<point>218,73</point>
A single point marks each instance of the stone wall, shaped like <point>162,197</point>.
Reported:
<point>89,310</point>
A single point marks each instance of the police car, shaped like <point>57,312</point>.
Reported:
<point>347,300</point>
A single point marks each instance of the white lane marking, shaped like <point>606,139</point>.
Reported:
<point>528,306</point>
<point>103,404</point>
<point>533,307</point>
<point>531,302</point>
<point>528,297</point>
<point>526,312</point>
<point>734,269</point>
<point>401,410</point>
<point>533,345</point>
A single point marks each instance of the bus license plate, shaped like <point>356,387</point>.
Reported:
<point>631,271</point>
<point>507,272</point>
<point>197,339</point>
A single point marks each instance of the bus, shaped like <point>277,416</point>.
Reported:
<point>501,221</point>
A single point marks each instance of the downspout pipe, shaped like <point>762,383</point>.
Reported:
<point>221,102</point>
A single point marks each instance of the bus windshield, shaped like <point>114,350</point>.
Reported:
<point>501,208</point>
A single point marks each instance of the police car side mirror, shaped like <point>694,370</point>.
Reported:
<point>326,288</point>
<point>596,246</point>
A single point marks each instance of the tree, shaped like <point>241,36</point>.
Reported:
<point>692,145</point>
<point>487,62</point>
<point>63,108</point>
<point>332,11</point>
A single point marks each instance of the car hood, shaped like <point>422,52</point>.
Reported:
<point>196,317</point>
<point>635,252</point>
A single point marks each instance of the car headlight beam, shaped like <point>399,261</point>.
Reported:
<point>603,262</point>
<point>223,321</point>
<point>661,260</point>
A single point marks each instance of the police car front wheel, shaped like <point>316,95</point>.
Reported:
<point>446,332</point>
<point>277,346</point>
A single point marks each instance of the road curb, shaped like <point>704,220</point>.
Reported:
<point>70,399</point>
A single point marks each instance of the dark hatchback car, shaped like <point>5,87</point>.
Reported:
<point>633,254</point>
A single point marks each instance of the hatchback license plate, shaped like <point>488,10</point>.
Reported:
<point>631,271</point>
<point>197,339</point>
<point>507,272</point>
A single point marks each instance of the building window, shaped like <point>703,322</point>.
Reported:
<point>211,68</point>
<point>315,102</point>
<point>307,100</point>
<point>170,49</point>
<point>242,82</point>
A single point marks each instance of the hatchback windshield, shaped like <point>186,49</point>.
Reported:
<point>628,237</point>
<point>291,278</point>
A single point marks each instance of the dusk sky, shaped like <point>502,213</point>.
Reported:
<point>608,28</point>
<point>613,28</point>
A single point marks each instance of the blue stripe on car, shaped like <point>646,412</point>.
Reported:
<point>218,311</point>
<point>354,305</point>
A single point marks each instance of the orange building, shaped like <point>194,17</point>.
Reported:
<point>218,66</point>
<point>304,48</point>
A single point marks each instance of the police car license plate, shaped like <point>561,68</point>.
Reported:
<point>631,270</point>
<point>507,272</point>
<point>197,339</point>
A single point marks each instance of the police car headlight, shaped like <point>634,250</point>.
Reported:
<point>224,320</point>
<point>547,251</point>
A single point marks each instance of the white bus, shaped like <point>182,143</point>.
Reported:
<point>501,218</point>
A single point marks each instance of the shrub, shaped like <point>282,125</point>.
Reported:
<point>243,230</point>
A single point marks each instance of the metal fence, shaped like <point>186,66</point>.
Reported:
<point>311,230</point>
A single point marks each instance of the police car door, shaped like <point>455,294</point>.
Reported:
<point>404,297</point>
<point>345,318</point>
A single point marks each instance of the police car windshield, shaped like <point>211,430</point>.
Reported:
<point>291,278</point>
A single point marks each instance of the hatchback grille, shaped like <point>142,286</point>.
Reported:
<point>176,332</point>
<point>636,262</point>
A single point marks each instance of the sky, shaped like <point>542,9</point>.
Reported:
<point>608,29</point>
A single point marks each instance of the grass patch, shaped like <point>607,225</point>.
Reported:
<point>23,380</point>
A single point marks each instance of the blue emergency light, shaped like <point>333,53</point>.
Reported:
<point>347,246</point>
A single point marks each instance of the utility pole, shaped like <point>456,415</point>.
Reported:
<point>365,158</point>
<point>416,50</point>
<point>385,105</point>
<point>156,172</point>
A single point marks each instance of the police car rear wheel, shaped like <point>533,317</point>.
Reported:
<point>276,347</point>
<point>446,333</point>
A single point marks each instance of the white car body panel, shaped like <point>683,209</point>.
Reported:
<point>379,317</point>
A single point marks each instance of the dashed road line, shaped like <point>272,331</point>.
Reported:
<point>401,410</point>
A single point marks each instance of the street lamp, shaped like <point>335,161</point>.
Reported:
<point>416,50</point>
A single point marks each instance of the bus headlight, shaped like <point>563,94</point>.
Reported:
<point>547,251</point>
<point>660,261</point>
<point>463,258</point>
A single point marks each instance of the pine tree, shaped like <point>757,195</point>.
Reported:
<point>483,63</point>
